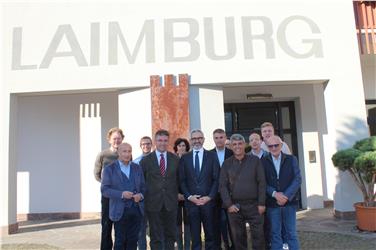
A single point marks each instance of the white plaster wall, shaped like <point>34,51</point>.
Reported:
<point>7,197</point>
<point>131,15</point>
<point>52,151</point>
<point>340,64</point>
<point>135,116</point>
<point>369,75</point>
<point>206,111</point>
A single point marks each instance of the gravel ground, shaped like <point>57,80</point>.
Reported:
<point>308,241</point>
<point>315,240</point>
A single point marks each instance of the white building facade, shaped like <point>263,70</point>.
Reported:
<point>70,71</point>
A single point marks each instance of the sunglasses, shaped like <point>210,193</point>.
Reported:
<point>274,146</point>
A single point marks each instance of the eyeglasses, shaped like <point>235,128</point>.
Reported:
<point>274,145</point>
<point>197,138</point>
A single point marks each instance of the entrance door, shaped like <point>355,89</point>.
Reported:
<point>242,118</point>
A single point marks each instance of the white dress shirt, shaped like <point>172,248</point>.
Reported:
<point>159,157</point>
<point>221,155</point>
<point>200,156</point>
<point>277,164</point>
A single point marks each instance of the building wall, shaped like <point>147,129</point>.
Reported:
<point>206,111</point>
<point>301,38</point>
<point>308,130</point>
<point>87,47</point>
<point>55,155</point>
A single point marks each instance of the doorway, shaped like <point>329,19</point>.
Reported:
<point>242,118</point>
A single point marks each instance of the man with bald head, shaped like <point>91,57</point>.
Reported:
<point>267,130</point>
<point>283,181</point>
<point>123,183</point>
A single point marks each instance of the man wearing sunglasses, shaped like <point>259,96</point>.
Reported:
<point>283,181</point>
<point>267,130</point>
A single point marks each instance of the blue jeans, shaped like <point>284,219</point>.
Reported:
<point>280,217</point>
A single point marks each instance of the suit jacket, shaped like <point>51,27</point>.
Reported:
<point>160,191</point>
<point>289,180</point>
<point>112,187</point>
<point>228,152</point>
<point>207,182</point>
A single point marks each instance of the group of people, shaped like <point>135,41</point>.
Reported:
<point>177,194</point>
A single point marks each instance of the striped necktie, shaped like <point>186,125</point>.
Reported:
<point>162,165</point>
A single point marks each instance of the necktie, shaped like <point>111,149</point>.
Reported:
<point>162,165</point>
<point>197,164</point>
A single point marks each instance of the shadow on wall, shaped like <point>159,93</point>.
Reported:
<point>194,107</point>
<point>346,192</point>
<point>354,130</point>
<point>49,149</point>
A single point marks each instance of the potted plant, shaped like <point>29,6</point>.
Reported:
<point>360,162</point>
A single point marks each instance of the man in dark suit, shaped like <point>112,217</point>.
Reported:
<point>123,183</point>
<point>198,174</point>
<point>221,226</point>
<point>161,197</point>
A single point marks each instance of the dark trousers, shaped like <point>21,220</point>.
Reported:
<point>197,215</point>
<point>142,234</point>
<point>266,231</point>
<point>127,229</point>
<point>248,213</point>
<point>221,227</point>
<point>162,229</point>
<point>184,242</point>
<point>106,237</point>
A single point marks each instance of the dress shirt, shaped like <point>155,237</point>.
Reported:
<point>260,154</point>
<point>159,158</point>
<point>138,159</point>
<point>126,169</point>
<point>277,163</point>
<point>200,155</point>
<point>221,155</point>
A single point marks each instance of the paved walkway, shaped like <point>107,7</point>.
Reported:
<point>318,229</point>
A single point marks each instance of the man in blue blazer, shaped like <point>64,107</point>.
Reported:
<point>199,176</point>
<point>123,183</point>
<point>283,180</point>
